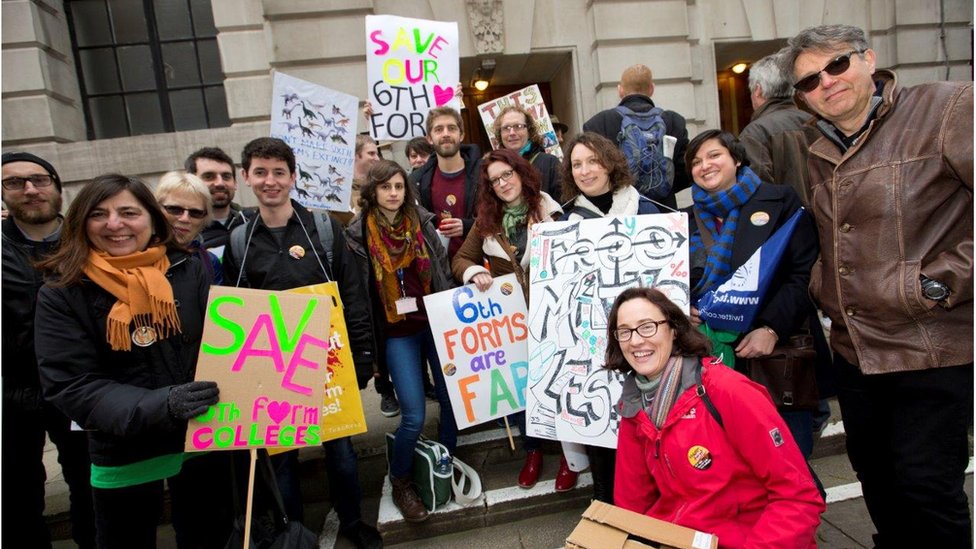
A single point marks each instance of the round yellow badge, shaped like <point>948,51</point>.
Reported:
<point>699,457</point>
<point>296,251</point>
<point>759,218</point>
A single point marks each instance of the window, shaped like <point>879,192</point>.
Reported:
<point>147,66</point>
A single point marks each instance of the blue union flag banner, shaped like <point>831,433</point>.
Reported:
<point>733,304</point>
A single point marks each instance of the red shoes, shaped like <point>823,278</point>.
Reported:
<point>565,478</point>
<point>531,470</point>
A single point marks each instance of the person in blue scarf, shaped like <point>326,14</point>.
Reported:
<point>733,214</point>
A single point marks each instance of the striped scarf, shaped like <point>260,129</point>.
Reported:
<point>720,205</point>
<point>658,395</point>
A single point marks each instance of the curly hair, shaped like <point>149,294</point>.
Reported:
<point>269,148</point>
<point>490,207</point>
<point>380,173</point>
<point>607,154</point>
<point>534,135</point>
<point>688,341</point>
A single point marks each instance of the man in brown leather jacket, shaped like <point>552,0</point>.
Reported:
<point>891,190</point>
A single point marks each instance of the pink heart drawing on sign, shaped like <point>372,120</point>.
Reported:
<point>443,95</point>
<point>278,410</point>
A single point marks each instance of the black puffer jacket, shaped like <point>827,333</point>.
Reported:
<point>121,396</point>
<point>21,281</point>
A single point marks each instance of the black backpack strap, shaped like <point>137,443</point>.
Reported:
<point>700,391</point>
<point>585,213</point>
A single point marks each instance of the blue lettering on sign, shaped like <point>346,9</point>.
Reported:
<point>469,311</point>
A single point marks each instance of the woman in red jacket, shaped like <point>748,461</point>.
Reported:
<point>699,444</point>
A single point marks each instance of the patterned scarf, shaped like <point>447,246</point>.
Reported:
<point>658,395</point>
<point>720,205</point>
<point>145,297</point>
<point>393,246</point>
<point>513,217</point>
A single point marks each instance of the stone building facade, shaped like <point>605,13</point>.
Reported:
<point>579,47</point>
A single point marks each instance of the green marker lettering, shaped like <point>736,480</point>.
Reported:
<point>288,343</point>
<point>234,328</point>
<point>500,391</point>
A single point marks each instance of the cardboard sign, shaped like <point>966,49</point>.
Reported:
<point>268,353</point>
<point>577,269</point>
<point>320,126</point>
<point>481,343</point>
<point>530,99</point>
<point>412,66</point>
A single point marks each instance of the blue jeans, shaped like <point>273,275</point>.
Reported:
<point>342,469</point>
<point>404,356</point>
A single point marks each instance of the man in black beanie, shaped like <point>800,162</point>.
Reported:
<point>32,194</point>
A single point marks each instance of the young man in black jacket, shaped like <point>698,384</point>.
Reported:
<point>32,193</point>
<point>283,250</point>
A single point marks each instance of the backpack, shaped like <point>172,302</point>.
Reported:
<point>323,226</point>
<point>641,138</point>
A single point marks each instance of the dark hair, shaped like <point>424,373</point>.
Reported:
<point>437,112</point>
<point>72,255</point>
<point>729,141</point>
<point>534,135</point>
<point>490,207</point>
<point>380,173</point>
<point>419,145</point>
<point>210,153</point>
<point>606,153</point>
<point>268,148</point>
<point>688,341</point>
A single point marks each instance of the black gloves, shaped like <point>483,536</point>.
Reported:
<point>192,399</point>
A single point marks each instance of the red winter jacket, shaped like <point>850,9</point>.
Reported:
<point>745,482</point>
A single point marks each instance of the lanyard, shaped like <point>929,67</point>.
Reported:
<point>403,289</point>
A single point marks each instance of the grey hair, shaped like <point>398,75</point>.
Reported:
<point>824,38</point>
<point>771,76</point>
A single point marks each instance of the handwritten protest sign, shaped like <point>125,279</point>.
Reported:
<point>342,411</point>
<point>482,347</point>
<point>320,126</point>
<point>268,353</point>
<point>577,270</point>
<point>530,99</point>
<point>412,66</point>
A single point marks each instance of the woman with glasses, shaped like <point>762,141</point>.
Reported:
<point>401,260</point>
<point>516,130</point>
<point>733,214</point>
<point>699,444</point>
<point>118,329</point>
<point>509,203</point>
<point>597,183</point>
<point>187,205</point>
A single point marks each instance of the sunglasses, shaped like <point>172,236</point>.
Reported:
<point>177,211</point>
<point>837,67</point>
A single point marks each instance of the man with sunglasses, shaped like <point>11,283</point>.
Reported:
<point>216,169</point>
<point>891,189</point>
<point>32,193</point>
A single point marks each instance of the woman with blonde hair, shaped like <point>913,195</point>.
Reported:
<point>187,205</point>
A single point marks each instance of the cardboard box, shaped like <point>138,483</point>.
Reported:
<point>605,526</point>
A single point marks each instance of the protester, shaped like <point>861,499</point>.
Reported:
<point>699,444</point>
<point>187,206</point>
<point>398,251</point>
<point>32,193</point>
<point>892,180</point>
<point>216,169</point>
<point>560,128</point>
<point>733,214</point>
<point>418,150</point>
<point>597,183</point>
<point>516,130</point>
<point>268,168</point>
<point>510,202</point>
<point>118,330</point>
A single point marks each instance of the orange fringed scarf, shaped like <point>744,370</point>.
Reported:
<point>144,295</point>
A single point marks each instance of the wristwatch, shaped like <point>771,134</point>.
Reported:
<point>933,289</point>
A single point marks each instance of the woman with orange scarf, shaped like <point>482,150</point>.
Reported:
<point>118,329</point>
<point>400,254</point>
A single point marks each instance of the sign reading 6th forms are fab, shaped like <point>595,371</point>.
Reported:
<point>482,343</point>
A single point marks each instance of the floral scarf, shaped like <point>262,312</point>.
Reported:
<point>394,246</point>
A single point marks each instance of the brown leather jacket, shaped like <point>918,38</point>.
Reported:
<point>897,204</point>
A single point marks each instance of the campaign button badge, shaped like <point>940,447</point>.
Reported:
<point>699,457</point>
<point>759,218</point>
<point>296,252</point>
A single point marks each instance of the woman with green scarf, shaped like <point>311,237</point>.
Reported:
<point>509,202</point>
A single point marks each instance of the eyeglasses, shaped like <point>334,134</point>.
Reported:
<point>17,183</point>
<point>837,67</point>
<point>516,127</point>
<point>213,176</point>
<point>505,176</point>
<point>177,211</point>
<point>646,330</point>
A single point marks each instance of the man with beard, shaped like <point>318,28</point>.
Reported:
<point>448,182</point>
<point>32,193</point>
<point>216,169</point>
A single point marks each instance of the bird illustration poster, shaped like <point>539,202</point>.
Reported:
<point>412,66</point>
<point>320,126</point>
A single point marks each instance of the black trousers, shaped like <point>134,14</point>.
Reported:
<point>907,441</point>
<point>24,476</point>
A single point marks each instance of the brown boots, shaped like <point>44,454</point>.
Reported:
<point>407,500</point>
